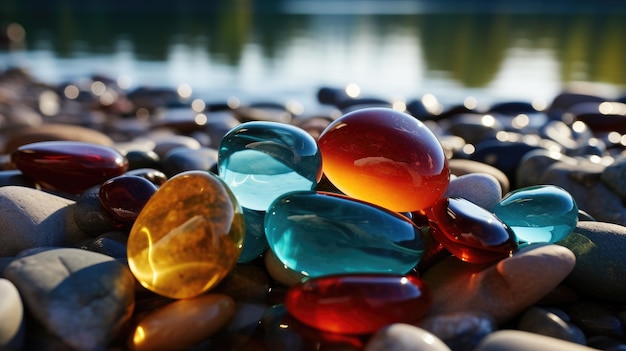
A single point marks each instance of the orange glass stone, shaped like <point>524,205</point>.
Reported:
<point>385,157</point>
<point>187,237</point>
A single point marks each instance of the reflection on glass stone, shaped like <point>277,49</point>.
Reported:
<point>322,233</point>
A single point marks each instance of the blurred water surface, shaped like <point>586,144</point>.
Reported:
<point>287,49</point>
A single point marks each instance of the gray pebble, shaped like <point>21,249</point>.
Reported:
<point>82,297</point>
<point>32,218</point>
<point>89,214</point>
<point>404,337</point>
<point>480,188</point>
<point>517,340</point>
<point>183,159</point>
<point>461,331</point>
<point>540,321</point>
<point>596,318</point>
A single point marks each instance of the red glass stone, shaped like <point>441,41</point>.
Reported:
<point>470,232</point>
<point>358,304</point>
<point>68,166</point>
<point>385,157</point>
<point>123,197</point>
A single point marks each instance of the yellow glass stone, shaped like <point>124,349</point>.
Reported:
<point>187,237</point>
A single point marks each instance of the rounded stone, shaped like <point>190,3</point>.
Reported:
<point>13,317</point>
<point>460,167</point>
<point>183,323</point>
<point>540,321</point>
<point>124,197</point>
<point>68,166</point>
<point>404,337</point>
<point>385,157</point>
<point>461,331</point>
<point>89,214</point>
<point>54,132</point>
<point>516,340</point>
<point>260,161</point>
<point>600,270</point>
<point>33,218</point>
<point>183,159</point>
<point>188,236</point>
<point>480,188</point>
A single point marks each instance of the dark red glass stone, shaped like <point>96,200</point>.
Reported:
<point>68,166</point>
<point>470,232</point>
<point>125,196</point>
<point>359,303</point>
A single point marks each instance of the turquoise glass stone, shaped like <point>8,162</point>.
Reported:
<point>255,243</point>
<point>260,161</point>
<point>319,234</point>
<point>538,214</point>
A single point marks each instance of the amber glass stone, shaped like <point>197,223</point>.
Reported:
<point>188,236</point>
<point>69,166</point>
<point>123,197</point>
<point>358,304</point>
<point>470,232</point>
<point>385,157</point>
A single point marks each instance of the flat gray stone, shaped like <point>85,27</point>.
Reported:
<point>12,317</point>
<point>33,218</point>
<point>79,296</point>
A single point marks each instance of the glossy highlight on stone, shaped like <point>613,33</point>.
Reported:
<point>385,157</point>
<point>322,233</point>
<point>470,232</point>
<point>69,166</point>
<point>125,196</point>
<point>538,214</point>
<point>187,237</point>
<point>358,304</point>
<point>260,161</point>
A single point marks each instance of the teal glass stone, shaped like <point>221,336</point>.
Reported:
<point>320,234</point>
<point>538,214</point>
<point>260,161</point>
<point>255,243</point>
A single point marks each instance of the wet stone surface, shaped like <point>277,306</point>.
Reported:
<point>143,225</point>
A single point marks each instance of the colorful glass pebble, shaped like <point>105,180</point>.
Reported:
<point>538,214</point>
<point>260,161</point>
<point>68,166</point>
<point>123,197</point>
<point>358,304</point>
<point>470,232</point>
<point>187,237</point>
<point>322,233</point>
<point>385,157</point>
<point>255,243</point>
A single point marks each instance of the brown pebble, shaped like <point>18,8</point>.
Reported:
<point>54,132</point>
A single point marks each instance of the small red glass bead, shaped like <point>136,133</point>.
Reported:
<point>358,304</point>
<point>470,232</point>
<point>68,166</point>
<point>125,196</point>
<point>385,157</point>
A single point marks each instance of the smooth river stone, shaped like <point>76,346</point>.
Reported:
<point>385,157</point>
<point>358,304</point>
<point>470,232</point>
<point>183,323</point>
<point>404,337</point>
<point>501,290</point>
<point>54,132</point>
<point>351,235</point>
<point>480,188</point>
<point>125,196</point>
<point>516,340</point>
<point>33,218</point>
<point>260,161</point>
<point>538,214</point>
<point>187,237</point>
<point>13,317</point>
<point>69,166</point>
<point>460,167</point>
<point>83,298</point>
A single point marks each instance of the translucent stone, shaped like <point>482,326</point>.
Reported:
<point>358,304</point>
<point>69,166</point>
<point>322,233</point>
<point>260,161</point>
<point>541,213</point>
<point>125,196</point>
<point>255,243</point>
<point>187,237</point>
<point>385,157</point>
<point>470,232</point>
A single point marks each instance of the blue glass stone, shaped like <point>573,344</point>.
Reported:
<point>255,243</point>
<point>538,214</point>
<point>322,233</point>
<point>262,160</point>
